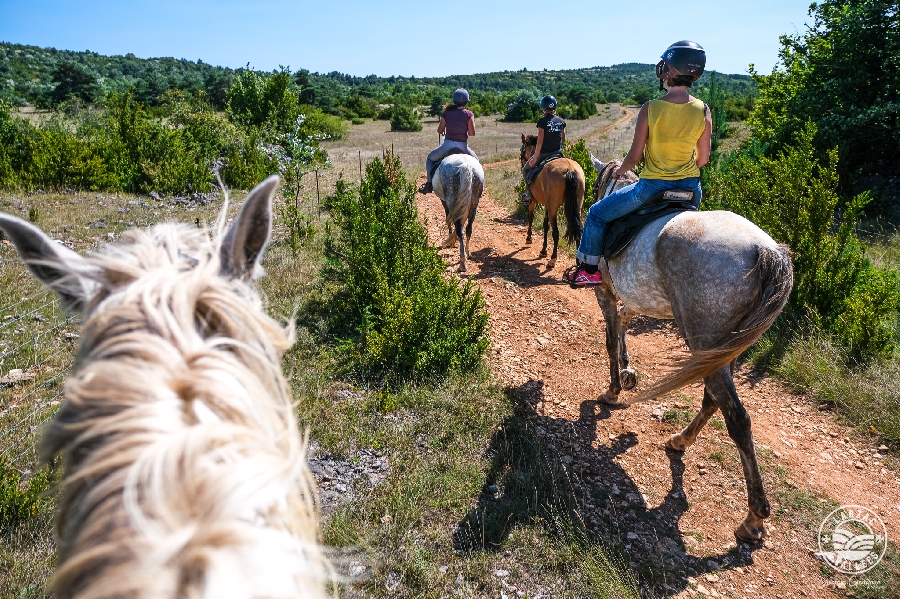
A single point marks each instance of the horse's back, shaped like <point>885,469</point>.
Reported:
<point>700,259</point>
<point>455,171</point>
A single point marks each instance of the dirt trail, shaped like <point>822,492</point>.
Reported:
<point>671,512</point>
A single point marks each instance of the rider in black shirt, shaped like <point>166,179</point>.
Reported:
<point>551,135</point>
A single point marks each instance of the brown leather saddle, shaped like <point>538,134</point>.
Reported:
<point>622,231</point>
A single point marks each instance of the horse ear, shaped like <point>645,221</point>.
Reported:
<point>246,240</point>
<point>52,263</point>
<point>523,138</point>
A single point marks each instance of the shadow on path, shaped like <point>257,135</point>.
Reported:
<point>557,473</point>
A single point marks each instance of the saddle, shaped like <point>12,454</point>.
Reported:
<point>438,163</point>
<point>622,231</point>
<point>532,173</point>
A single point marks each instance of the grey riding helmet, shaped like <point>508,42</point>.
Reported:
<point>682,58</point>
<point>460,97</point>
<point>548,103</point>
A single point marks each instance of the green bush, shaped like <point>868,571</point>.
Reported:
<point>21,500</point>
<point>411,321</point>
<point>264,101</point>
<point>579,153</point>
<point>405,118</point>
<point>794,198</point>
<point>525,107</point>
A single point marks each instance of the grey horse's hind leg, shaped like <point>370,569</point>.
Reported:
<point>681,441</point>
<point>469,227</point>
<point>627,374</point>
<point>721,385</point>
<point>451,238</point>
<point>607,300</point>
<point>462,245</point>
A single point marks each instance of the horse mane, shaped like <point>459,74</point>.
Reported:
<point>186,473</point>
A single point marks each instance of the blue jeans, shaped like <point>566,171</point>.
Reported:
<point>438,154</point>
<point>618,204</point>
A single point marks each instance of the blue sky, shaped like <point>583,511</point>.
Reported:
<point>401,37</point>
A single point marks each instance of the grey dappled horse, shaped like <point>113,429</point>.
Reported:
<point>459,183</point>
<point>724,281</point>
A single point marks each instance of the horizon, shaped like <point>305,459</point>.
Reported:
<point>401,38</point>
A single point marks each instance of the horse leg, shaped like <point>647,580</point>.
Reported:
<point>737,421</point>
<point>681,441</point>
<point>530,221</point>
<point>469,232</point>
<point>546,230</point>
<point>626,374</point>
<point>552,262</point>
<point>462,245</point>
<point>451,239</point>
<point>607,300</point>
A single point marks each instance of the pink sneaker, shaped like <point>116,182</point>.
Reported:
<point>577,276</point>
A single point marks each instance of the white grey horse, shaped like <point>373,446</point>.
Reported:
<point>459,183</point>
<point>724,281</point>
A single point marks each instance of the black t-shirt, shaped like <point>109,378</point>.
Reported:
<point>553,127</point>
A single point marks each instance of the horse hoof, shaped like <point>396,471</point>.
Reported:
<point>676,443</point>
<point>462,268</point>
<point>752,529</point>
<point>528,241</point>
<point>543,254</point>
<point>629,378</point>
<point>611,400</point>
<point>551,263</point>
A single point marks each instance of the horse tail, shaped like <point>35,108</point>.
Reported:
<point>459,194</point>
<point>572,208</point>
<point>776,279</point>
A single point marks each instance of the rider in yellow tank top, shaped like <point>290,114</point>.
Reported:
<point>673,136</point>
<point>671,150</point>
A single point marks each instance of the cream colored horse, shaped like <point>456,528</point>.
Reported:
<point>185,471</point>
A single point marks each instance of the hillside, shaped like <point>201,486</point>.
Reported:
<point>30,74</point>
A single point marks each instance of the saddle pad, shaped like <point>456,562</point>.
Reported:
<point>622,231</point>
<point>532,173</point>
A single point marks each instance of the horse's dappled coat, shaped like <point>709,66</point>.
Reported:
<point>185,472</point>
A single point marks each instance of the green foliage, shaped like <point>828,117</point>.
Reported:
<point>405,118</point>
<point>21,500</point>
<point>73,81</point>
<point>271,101</point>
<point>794,198</point>
<point>411,321</point>
<point>579,153</point>
<point>842,75</point>
<point>524,108</point>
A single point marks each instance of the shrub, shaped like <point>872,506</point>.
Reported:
<point>318,123</point>
<point>21,500</point>
<point>579,153</point>
<point>405,118</point>
<point>794,198</point>
<point>411,321</point>
<point>525,107</point>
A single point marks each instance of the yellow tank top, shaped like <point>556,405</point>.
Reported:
<point>672,144</point>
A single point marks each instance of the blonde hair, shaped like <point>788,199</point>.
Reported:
<point>186,473</point>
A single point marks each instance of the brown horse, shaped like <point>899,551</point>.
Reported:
<point>560,183</point>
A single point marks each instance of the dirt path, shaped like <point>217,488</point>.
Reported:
<point>672,513</point>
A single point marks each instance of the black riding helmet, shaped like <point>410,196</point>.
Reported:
<point>548,103</point>
<point>681,58</point>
